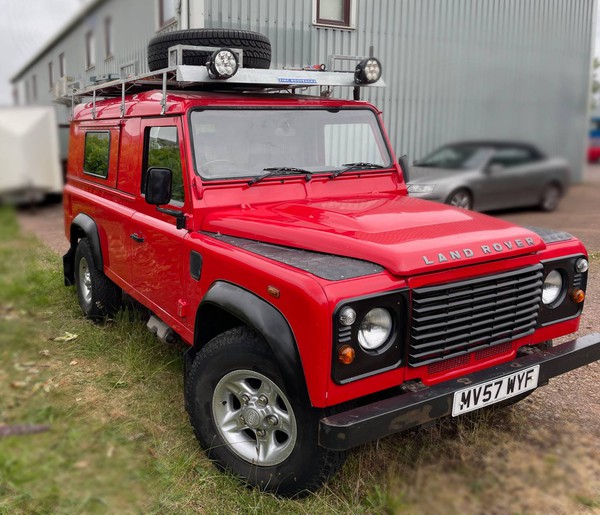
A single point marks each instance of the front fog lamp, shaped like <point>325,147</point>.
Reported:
<point>367,71</point>
<point>553,285</point>
<point>582,265</point>
<point>222,64</point>
<point>375,328</point>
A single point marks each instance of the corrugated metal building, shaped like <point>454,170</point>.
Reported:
<point>455,69</point>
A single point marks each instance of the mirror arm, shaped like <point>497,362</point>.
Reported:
<point>180,217</point>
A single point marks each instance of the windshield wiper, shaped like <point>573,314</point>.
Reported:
<point>355,166</point>
<point>281,170</point>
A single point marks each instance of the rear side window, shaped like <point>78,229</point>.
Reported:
<point>96,154</point>
<point>162,151</point>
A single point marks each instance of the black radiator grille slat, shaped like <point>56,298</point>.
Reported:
<point>481,311</point>
<point>454,319</point>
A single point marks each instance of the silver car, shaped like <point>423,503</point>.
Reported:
<point>487,175</point>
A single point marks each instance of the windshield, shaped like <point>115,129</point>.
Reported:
<point>237,143</point>
<point>460,157</point>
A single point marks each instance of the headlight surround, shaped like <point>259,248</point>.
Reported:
<point>375,329</point>
<point>553,287</point>
<point>421,188</point>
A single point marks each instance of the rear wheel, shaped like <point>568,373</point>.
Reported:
<point>98,296</point>
<point>460,198</point>
<point>249,424</point>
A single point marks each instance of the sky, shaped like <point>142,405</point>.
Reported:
<point>26,25</point>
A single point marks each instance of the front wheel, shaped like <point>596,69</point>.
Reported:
<point>460,198</point>
<point>550,197</point>
<point>249,424</point>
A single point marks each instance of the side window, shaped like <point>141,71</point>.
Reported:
<point>509,157</point>
<point>162,150</point>
<point>96,154</point>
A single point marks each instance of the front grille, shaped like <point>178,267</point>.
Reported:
<point>455,319</point>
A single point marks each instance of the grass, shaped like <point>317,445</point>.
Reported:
<point>119,440</point>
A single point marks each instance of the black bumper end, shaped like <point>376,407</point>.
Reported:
<point>354,427</point>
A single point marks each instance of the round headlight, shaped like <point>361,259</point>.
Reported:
<point>582,265</point>
<point>347,316</point>
<point>375,328</point>
<point>553,285</point>
<point>367,71</point>
<point>222,64</point>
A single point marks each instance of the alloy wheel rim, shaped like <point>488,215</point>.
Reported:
<point>85,281</point>
<point>254,418</point>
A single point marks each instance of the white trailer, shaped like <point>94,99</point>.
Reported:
<point>29,149</point>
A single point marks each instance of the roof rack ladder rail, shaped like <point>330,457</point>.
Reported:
<point>163,102</point>
<point>176,53</point>
<point>332,59</point>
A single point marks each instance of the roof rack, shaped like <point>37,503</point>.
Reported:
<point>179,76</point>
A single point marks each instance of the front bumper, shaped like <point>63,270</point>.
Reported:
<point>354,427</point>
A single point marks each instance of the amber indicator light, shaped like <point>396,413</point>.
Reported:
<point>346,354</point>
<point>273,292</point>
<point>578,296</point>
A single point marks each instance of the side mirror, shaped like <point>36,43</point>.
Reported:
<point>158,186</point>
<point>403,162</point>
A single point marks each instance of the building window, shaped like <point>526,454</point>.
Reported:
<point>27,94</point>
<point>50,74</point>
<point>334,13</point>
<point>108,38</point>
<point>62,68</point>
<point>166,12</point>
<point>16,95</point>
<point>96,154</point>
<point>34,86</point>
<point>90,50</point>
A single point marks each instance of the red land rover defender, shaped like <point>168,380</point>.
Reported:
<point>322,306</point>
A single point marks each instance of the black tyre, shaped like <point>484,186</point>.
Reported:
<point>256,47</point>
<point>98,296</point>
<point>550,198</point>
<point>460,198</point>
<point>247,422</point>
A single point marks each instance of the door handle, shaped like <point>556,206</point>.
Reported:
<point>136,237</point>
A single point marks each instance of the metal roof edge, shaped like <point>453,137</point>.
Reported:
<point>81,14</point>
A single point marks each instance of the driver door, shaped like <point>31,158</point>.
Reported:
<point>157,243</point>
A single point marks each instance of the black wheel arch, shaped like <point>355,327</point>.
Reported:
<point>226,306</point>
<point>82,226</point>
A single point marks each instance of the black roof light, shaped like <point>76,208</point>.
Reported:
<point>367,71</point>
<point>222,64</point>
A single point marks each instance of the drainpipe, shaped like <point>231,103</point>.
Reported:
<point>184,14</point>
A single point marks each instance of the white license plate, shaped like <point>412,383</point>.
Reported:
<point>496,390</point>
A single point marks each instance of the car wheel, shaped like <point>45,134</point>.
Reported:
<point>460,198</point>
<point>256,46</point>
<point>550,197</point>
<point>249,424</point>
<point>98,296</point>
